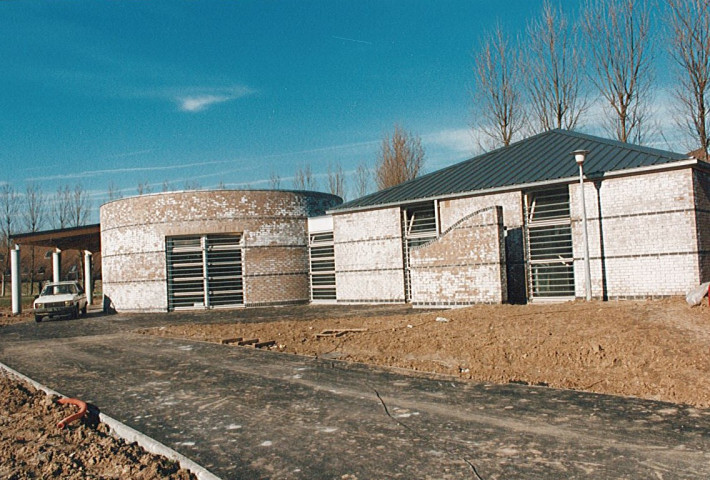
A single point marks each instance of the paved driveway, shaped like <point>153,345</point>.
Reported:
<point>246,413</point>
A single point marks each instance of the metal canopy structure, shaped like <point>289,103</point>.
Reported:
<point>84,238</point>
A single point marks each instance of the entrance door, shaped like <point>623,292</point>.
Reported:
<point>549,245</point>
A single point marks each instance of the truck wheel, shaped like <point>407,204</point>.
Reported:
<point>75,313</point>
<point>38,318</point>
<point>83,310</point>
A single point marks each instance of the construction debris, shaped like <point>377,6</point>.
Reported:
<point>253,342</point>
<point>695,296</point>
<point>339,332</point>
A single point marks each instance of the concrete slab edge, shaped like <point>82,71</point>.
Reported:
<point>129,434</point>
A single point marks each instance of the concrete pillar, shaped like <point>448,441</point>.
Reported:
<point>88,284</point>
<point>16,281</point>
<point>56,265</point>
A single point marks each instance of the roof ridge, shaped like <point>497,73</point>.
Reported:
<point>617,143</point>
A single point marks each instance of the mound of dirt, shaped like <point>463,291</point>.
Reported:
<point>655,349</point>
<point>32,446</point>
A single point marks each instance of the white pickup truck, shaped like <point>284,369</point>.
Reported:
<point>60,299</point>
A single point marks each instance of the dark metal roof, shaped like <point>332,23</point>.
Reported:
<point>540,158</point>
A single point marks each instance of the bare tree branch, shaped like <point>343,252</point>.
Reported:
<point>80,207</point>
<point>401,158</point>
<point>274,181</point>
<point>362,180</point>
<point>61,207</point>
<point>9,208</point>
<point>113,193</point>
<point>497,105</point>
<point>34,217</point>
<point>552,73</point>
<point>144,188</point>
<point>690,48</point>
<point>304,179</point>
<point>336,180</point>
<point>619,43</point>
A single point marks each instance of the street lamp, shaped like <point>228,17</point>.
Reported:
<point>579,157</point>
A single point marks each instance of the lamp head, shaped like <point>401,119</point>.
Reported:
<point>579,156</point>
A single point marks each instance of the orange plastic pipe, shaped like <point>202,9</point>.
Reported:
<point>75,416</point>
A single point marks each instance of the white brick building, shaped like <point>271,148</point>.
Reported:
<point>507,227</point>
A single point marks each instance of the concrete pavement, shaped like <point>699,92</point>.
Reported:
<point>246,414</point>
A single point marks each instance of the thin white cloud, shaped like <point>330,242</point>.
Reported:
<point>194,100</point>
<point>460,140</point>
<point>200,103</point>
<point>114,171</point>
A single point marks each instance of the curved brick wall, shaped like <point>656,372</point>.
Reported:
<point>275,239</point>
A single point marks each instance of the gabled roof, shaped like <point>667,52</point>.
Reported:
<point>542,158</point>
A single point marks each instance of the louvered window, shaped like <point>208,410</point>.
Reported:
<point>322,266</point>
<point>549,245</point>
<point>204,271</point>
<point>420,225</point>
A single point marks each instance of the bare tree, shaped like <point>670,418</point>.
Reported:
<point>497,101</point>
<point>9,207</point>
<point>336,180</point>
<point>35,208</point>
<point>113,193</point>
<point>80,206</point>
<point>304,179</point>
<point>552,73</point>
<point>362,180</point>
<point>144,188</point>
<point>191,185</point>
<point>34,218</point>
<point>274,181</point>
<point>690,48</point>
<point>61,207</point>
<point>167,186</point>
<point>619,45</point>
<point>401,158</point>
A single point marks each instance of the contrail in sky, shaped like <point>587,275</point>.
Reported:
<point>352,40</point>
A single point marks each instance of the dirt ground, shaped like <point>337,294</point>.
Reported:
<point>654,349</point>
<point>32,446</point>
<point>7,318</point>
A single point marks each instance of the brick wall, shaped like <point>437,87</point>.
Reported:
<point>452,210</point>
<point>465,265</point>
<point>275,239</point>
<point>368,256</point>
<point>645,243</point>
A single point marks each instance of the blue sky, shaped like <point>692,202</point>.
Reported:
<point>206,92</point>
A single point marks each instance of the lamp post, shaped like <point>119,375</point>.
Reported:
<point>579,157</point>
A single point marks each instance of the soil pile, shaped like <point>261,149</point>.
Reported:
<point>655,349</point>
<point>32,446</point>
